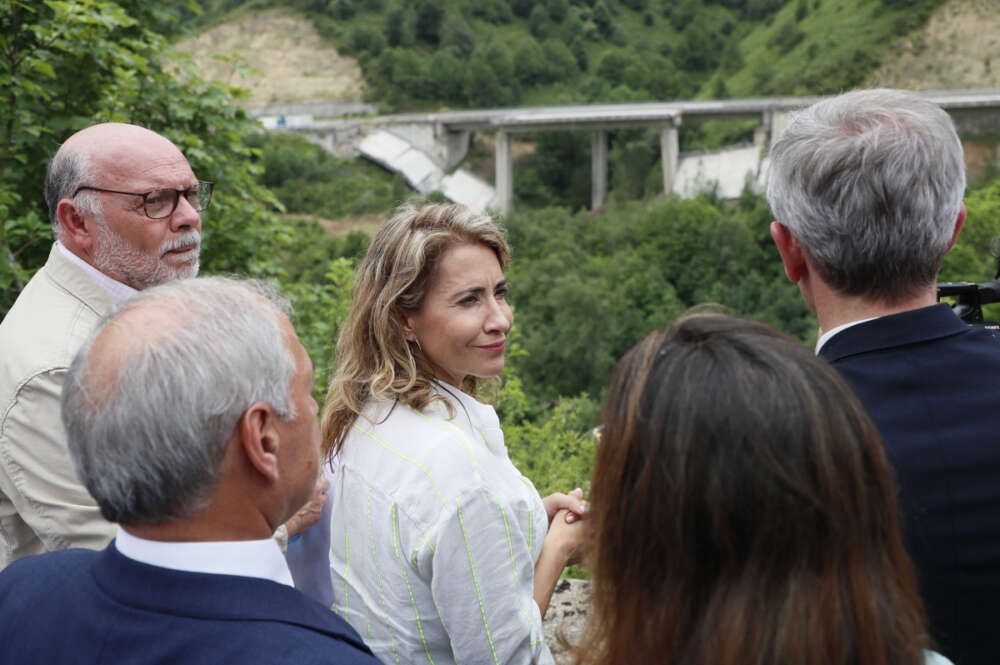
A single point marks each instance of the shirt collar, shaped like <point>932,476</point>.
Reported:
<point>248,558</point>
<point>117,291</point>
<point>482,417</point>
<point>828,335</point>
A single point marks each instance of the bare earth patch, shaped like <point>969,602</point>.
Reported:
<point>958,48</point>
<point>297,65</point>
<point>369,223</point>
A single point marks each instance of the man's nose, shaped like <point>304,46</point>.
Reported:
<point>185,216</point>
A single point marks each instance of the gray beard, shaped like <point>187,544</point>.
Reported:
<point>114,255</point>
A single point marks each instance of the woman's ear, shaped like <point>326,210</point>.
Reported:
<point>405,320</point>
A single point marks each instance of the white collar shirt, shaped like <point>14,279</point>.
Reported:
<point>248,558</point>
<point>117,291</point>
<point>434,535</point>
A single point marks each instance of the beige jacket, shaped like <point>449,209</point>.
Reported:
<point>43,506</point>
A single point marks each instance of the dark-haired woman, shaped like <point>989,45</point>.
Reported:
<point>744,512</point>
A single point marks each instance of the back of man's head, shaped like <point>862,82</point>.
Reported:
<point>152,399</point>
<point>871,184</point>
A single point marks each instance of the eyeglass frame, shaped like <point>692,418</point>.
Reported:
<point>144,195</point>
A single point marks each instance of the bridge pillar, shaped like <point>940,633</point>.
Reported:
<point>762,135</point>
<point>504,173</point>
<point>669,155</point>
<point>598,168</point>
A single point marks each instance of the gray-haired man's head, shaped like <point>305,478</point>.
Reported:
<point>154,398</point>
<point>871,184</point>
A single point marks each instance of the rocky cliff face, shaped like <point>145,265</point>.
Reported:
<point>958,48</point>
<point>566,617</point>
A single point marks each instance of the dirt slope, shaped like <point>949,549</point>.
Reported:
<point>296,64</point>
<point>958,48</point>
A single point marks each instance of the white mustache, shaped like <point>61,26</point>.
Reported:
<point>188,238</point>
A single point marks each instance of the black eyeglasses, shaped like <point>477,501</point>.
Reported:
<point>160,203</point>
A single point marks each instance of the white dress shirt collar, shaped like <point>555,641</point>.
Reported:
<point>247,558</point>
<point>828,335</point>
<point>117,291</point>
<point>482,417</point>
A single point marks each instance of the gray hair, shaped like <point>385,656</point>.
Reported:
<point>148,444</point>
<point>871,184</point>
<point>68,170</point>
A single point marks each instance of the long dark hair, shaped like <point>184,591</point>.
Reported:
<point>744,511</point>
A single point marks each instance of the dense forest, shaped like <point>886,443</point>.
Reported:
<point>585,286</point>
<point>480,53</point>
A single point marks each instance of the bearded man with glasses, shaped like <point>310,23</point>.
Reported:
<point>125,208</point>
<point>126,211</point>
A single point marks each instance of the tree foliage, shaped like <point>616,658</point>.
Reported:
<point>69,64</point>
<point>586,288</point>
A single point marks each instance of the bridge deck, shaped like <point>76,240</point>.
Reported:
<point>653,113</point>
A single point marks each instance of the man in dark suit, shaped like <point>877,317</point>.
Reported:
<point>190,420</point>
<point>867,189</point>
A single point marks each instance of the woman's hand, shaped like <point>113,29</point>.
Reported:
<point>567,539</point>
<point>573,503</point>
<point>310,513</point>
<point>565,544</point>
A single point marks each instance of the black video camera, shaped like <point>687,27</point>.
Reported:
<point>971,297</point>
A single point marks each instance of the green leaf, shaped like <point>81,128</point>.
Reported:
<point>44,68</point>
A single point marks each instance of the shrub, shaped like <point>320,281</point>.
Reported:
<point>366,40</point>
<point>428,16</point>
<point>456,34</point>
<point>398,31</point>
<point>491,11</point>
<point>787,37</point>
<point>602,18</point>
<point>539,22</point>
<point>522,8</point>
<point>448,76</point>
<point>557,9</point>
<point>530,67</point>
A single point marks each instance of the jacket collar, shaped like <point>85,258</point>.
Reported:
<point>912,327</point>
<point>206,596</point>
<point>71,279</point>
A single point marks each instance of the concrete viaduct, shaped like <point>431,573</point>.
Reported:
<point>445,137</point>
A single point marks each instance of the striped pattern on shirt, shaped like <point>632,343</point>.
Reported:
<point>434,537</point>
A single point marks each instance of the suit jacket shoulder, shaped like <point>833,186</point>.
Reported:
<point>923,375</point>
<point>931,383</point>
<point>111,609</point>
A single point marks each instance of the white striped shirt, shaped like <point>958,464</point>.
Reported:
<point>434,538</point>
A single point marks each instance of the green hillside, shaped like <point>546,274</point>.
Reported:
<point>430,54</point>
<point>480,53</point>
